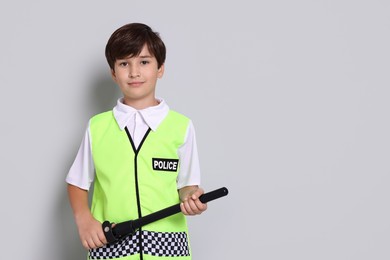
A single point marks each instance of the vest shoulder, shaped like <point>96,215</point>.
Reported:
<point>178,115</point>
<point>174,122</point>
<point>102,116</point>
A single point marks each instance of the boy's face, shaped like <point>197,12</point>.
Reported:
<point>137,77</point>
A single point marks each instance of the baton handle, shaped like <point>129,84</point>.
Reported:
<point>129,227</point>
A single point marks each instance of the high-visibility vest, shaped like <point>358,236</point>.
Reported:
<point>134,182</point>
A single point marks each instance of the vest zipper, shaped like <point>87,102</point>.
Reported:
<point>136,151</point>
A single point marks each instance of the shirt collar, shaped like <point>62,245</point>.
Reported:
<point>152,116</point>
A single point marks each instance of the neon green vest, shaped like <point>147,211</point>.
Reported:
<point>130,183</point>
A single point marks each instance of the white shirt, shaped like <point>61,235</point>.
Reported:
<point>82,172</point>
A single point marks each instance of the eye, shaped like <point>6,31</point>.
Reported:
<point>145,62</point>
<point>123,64</point>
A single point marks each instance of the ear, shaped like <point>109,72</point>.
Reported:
<point>160,71</point>
<point>113,75</point>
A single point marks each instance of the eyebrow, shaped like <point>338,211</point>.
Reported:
<point>141,56</point>
<point>145,56</point>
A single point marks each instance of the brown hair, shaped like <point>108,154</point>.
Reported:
<point>129,40</point>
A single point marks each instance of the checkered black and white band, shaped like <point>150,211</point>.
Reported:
<point>153,243</point>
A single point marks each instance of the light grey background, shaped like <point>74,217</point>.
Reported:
<point>290,100</point>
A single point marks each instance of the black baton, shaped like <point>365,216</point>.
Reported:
<point>127,228</point>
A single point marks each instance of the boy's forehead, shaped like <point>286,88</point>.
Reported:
<point>144,53</point>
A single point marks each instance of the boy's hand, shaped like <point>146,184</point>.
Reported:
<point>191,205</point>
<point>91,232</point>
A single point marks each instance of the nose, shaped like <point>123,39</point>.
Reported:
<point>134,71</point>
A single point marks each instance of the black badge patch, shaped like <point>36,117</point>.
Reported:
<point>160,164</point>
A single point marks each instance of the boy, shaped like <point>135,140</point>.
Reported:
<point>141,156</point>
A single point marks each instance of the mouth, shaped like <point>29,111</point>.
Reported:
<point>135,83</point>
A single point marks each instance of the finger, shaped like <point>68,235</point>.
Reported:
<point>85,244</point>
<point>193,207</point>
<point>183,209</point>
<point>188,207</point>
<point>197,194</point>
<point>102,238</point>
<point>201,206</point>
<point>97,241</point>
<point>91,244</point>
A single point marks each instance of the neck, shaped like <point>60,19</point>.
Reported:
<point>140,104</point>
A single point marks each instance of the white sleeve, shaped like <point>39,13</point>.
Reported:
<point>82,172</point>
<point>189,173</point>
